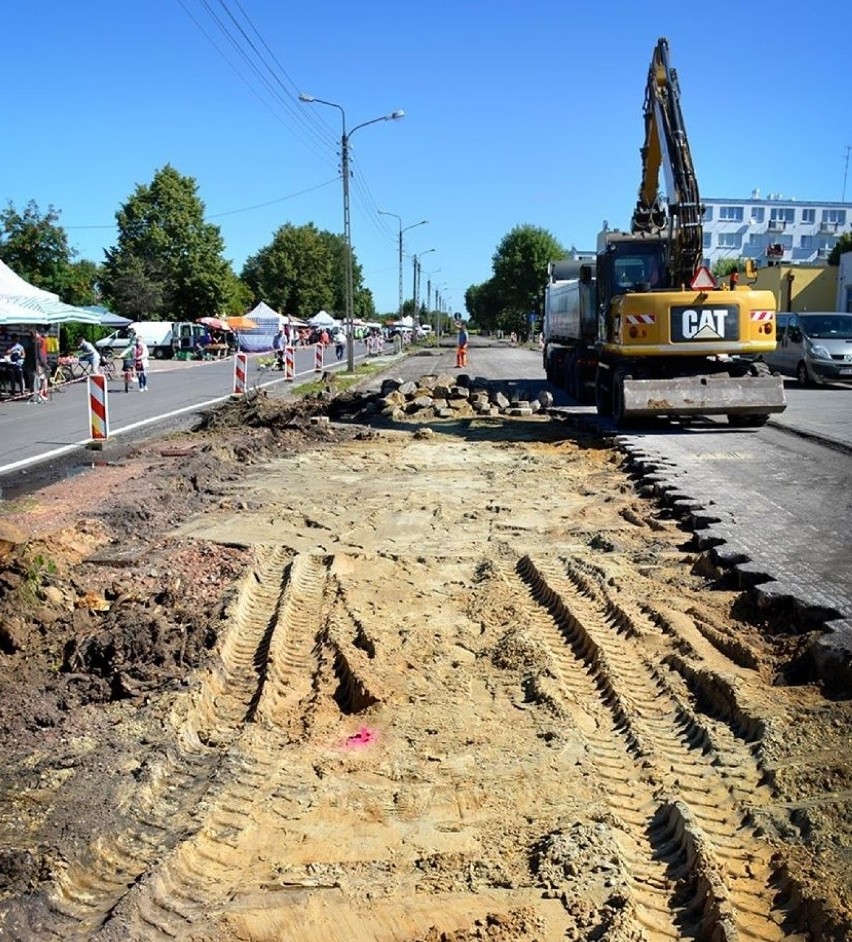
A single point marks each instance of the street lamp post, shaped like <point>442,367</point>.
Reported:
<point>439,304</point>
<point>416,286</point>
<point>429,289</point>
<point>422,222</point>
<point>347,229</point>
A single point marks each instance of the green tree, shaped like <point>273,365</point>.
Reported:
<point>482,304</point>
<point>137,287</point>
<point>238,296</point>
<point>294,273</point>
<point>841,247</point>
<point>80,283</point>
<point>520,272</point>
<point>168,261</point>
<point>723,267</point>
<point>363,304</point>
<point>303,270</point>
<point>520,268</point>
<point>35,246</point>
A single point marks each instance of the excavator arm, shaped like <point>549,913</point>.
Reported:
<point>666,146</point>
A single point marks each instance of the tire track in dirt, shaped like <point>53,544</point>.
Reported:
<point>293,664</point>
<point>728,869</point>
<point>161,809</point>
<point>617,756</point>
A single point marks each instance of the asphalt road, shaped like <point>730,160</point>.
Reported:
<point>33,433</point>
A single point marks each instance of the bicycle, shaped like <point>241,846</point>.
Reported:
<point>66,371</point>
<point>128,372</point>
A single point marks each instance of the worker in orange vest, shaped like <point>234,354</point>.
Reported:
<point>461,347</point>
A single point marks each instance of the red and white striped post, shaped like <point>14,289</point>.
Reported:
<point>289,363</point>
<point>240,371</point>
<point>98,410</point>
<point>318,358</point>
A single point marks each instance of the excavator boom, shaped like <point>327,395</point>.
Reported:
<point>666,146</point>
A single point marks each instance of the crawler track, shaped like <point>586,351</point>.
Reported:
<point>690,847</point>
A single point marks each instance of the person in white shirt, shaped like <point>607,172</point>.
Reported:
<point>140,353</point>
<point>90,355</point>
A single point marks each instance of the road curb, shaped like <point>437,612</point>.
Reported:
<point>826,440</point>
<point>828,658</point>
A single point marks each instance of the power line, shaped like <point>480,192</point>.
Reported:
<point>314,141</point>
<point>303,117</point>
<point>243,209</point>
<point>311,115</point>
<point>280,199</point>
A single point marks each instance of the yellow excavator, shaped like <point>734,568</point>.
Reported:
<point>643,326</point>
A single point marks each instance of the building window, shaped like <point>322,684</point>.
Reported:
<point>808,215</point>
<point>826,245</point>
<point>786,241</point>
<point>707,240</point>
<point>807,242</point>
<point>782,213</point>
<point>756,238</point>
<point>708,214</point>
<point>835,216</point>
<point>731,213</point>
<point>730,240</point>
<point>757,213</point>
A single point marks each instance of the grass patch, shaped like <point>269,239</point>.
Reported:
<point>342,380</point>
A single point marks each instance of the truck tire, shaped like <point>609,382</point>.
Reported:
<point>747,421</point>
<point>802,377</point>
<point>603,395</point>
<point>572,385</point>
<point>618,379</point>
<point>159,354</point>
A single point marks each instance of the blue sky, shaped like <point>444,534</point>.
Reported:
<point>515,113</point>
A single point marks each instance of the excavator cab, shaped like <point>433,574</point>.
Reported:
<point>631,264</point>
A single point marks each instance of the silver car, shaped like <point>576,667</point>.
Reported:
<point>814,347</point>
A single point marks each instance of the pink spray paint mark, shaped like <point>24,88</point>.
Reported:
<point>363,737</point>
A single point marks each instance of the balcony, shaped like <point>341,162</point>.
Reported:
<point>829,226</point>
<point>776,225</point>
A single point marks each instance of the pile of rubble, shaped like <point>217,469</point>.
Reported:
<point>443,396</point>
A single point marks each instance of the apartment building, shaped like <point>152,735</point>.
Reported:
<point>773,229</point>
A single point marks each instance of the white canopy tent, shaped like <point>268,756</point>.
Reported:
<point>23,303</point>
<point>323,319</point>
<point>263,310</point>
<point>12,285</point>
<point>20,309</point>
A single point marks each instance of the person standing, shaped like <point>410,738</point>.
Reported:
<point>339,344</point>
<point>279,341</point>
<point>461,347</point>
<point>41,385</point>
<point>16,354</point>
<point>140,354</point>
<point>90,355</point>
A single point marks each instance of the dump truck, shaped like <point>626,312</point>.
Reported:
<point>642,328</point>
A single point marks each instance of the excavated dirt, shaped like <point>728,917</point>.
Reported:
<point>277,680</point>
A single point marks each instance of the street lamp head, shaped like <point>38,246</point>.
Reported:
<point>303,96</point>
<point>396,115</point>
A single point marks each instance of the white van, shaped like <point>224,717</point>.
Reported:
<point>158,336</point>
<point>815,347</point>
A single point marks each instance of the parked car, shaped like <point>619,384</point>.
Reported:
<point>815,347</point>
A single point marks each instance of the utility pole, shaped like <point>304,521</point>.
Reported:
<point>414,287</point>
<point>845,173</point>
